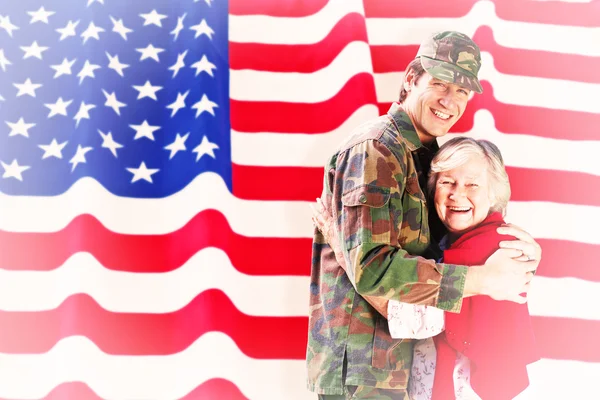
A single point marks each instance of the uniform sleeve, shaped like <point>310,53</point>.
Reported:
<point>367,185</point>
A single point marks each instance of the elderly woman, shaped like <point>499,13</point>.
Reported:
<point>481,352</point>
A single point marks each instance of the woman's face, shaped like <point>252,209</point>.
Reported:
<point>462,196</point>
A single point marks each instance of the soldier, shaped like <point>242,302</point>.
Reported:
<point>374,188</point>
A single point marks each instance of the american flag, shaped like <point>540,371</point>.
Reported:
<point>158,158</point>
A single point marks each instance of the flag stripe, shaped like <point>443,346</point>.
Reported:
<point>540,64</point>
<point>281,8</point>
<point>301,57</point>
<point>122,291</point>
<point>541,37</point>
<point>214,355</point>
<point>125,333</point>
<point>545,12</point>
<point>323,116</point>
<point>151,253</point>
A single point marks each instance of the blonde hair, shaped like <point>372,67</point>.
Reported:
<point>458,151</point>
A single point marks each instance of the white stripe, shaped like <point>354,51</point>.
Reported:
<point>251,85</point>
<point>280,30</point>
<point>156,216</point>
<point>313,150</point>
<point>302,150</point>
<point>247,217</point>
<point>127,292</point>
<point>564,297</point>
<point>520,35</point>
<point>513,89</point>
<point>562,379</point>
<point>214,355</point>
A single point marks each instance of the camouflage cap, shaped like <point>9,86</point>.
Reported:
<point>452,57</point>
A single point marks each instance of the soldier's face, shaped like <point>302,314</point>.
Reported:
<point>434,105</point>
<point>462,196</point>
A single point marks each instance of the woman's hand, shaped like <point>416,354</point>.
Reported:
<point>323,220</point>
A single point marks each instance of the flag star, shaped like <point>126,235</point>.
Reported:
<point>147,90</point>
<point>19,128</point>
<point>153,18</point>
<point>204,105</point>
<point>144,130</point>
<point>142,173</point>
<point>206,1</point>
<point>179,27</point>
<point>119,28</point>
<point>33,51</point>
<point>177,145</point>
<point>112,102</point>
<point>204,66</point>
<point>3,60</point>
<point>60,107</point>
<point>7,26</point>
<point>79,157</point>
<point>115,64</point>
<point>54,149</point>
<point>202,29</point>
<point>178,104</point>
<point>83,113</point>
<point>92,31</point>
<point>109,143</point>
<point>179,64</point>
<point>205,147</point>
<point>68,30</point>
<point>87,71</point>
<point>27,87</point>
<point>94,1</point>
<point>150,52</point>
<point>14,170</point>
<point>40,15</point>
<point>64,68</point>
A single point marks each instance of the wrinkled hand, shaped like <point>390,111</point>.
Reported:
<point>323,220</point>
<point>502,277</point>
<point>531,251</point>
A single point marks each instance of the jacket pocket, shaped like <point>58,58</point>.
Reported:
<point>366,216</point>
<point>388,353</point>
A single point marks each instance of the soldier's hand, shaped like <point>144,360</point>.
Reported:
<point>504,278</point>
<point>531,251</point>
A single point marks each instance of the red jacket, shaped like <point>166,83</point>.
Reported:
<point>496,336</point>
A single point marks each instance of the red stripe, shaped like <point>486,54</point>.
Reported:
<point>535,63</point>
<point>547,12</point>
<point>305,184</point>
<point>216,389</point>
<point>303,58</point>
<point>555,186</point>
<point>154,253</point>
<point>567,338</point>
<point>277,183</point>
<point>274,116</point>
<point>279,8</point>
<point>71,391</point>
<point>537,121</point>
<point>153,334</point>
<point>563,258</point>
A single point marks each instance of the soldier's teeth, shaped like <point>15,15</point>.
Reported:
<point>441,114</point>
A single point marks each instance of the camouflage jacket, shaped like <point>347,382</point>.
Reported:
<point>371,188</point>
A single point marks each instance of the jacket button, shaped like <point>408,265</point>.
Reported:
<point>362,198</point>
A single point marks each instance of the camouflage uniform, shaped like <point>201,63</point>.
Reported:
<point>371,188</point>
<point>373,191</point>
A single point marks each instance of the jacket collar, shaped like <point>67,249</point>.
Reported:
<point>407,130</point>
